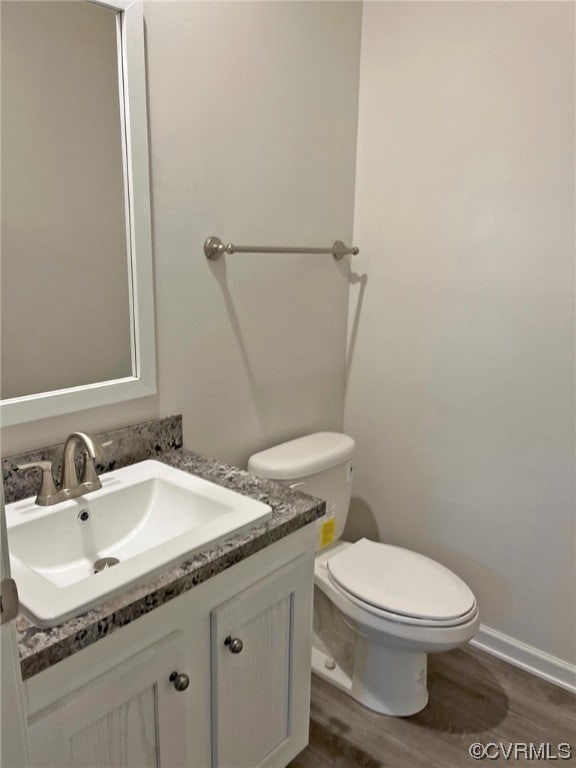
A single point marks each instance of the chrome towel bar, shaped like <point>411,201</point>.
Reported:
<point>214,248</point>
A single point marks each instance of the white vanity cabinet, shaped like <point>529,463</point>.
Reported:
<point>242,640</point>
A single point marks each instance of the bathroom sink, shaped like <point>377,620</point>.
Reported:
<point>71,556</point>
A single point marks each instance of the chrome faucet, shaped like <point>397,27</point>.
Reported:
<point>70,486</point>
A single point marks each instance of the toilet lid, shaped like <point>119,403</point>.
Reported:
<point>400,581</point>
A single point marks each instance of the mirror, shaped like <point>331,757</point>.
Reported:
<point>76,269</point>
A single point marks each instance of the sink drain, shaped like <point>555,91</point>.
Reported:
<point>104,563</point>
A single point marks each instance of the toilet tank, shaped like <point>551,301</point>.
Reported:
<point>318,464</point>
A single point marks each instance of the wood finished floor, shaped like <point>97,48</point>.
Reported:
<point>474,697</point>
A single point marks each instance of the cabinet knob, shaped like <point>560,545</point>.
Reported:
<point>234,644</point>
<point>180,681</point>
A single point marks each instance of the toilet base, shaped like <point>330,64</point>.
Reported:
<point>387,680</point>
<point>378,661</point>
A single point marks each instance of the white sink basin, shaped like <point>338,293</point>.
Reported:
<point>146,516</point>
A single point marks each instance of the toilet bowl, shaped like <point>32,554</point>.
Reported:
<point>378,609</point>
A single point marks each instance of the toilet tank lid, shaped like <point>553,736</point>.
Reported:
<point>303,456</point>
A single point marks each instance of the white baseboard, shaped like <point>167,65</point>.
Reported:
<point>526,657</point>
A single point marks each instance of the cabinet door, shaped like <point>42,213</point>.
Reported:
<point>130,717</point>
<point>261,648</point>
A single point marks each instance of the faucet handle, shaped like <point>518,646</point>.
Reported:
<point>47,487</point>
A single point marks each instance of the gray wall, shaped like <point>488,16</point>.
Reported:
<point>253,133</point>
<point>461,384</point>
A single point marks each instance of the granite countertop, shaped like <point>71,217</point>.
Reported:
<point>291,510</point>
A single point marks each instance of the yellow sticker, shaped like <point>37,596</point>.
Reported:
<point>327,531</point>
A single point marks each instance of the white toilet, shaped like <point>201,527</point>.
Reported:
<point>378,609</point>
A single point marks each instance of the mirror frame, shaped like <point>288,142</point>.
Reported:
<point>132,72</point>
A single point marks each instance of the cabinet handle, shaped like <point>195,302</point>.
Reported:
<point>234,644</point>
<point>180,681</point>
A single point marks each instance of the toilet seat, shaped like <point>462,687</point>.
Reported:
<point>398,618</point>
<point>400,585</point>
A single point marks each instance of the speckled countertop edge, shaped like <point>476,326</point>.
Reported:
<point>291,510</point>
